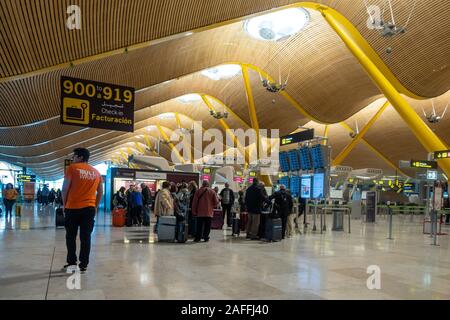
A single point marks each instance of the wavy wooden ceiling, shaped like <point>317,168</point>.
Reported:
<point>325,78</point>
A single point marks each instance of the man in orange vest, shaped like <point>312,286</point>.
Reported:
<point>82,192</point>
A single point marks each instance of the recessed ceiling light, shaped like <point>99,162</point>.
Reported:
<point>224,71</point>
<point>168,115</point>
<point>278,25</point>
<point>190,98</point>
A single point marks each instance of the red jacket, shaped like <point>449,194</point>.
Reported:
<point>204,202</point>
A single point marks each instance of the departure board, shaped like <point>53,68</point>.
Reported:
<point>284,161</point>
<point>294,161</point>
<point>295,186</point>
<point>305,159</point>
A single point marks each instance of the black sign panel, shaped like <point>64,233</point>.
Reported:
<point>297,137</point>
<point>97,105</point>
<point>444,154</point>
<point>424,164</point>
<point>121,173</point>
<point>26,178</point>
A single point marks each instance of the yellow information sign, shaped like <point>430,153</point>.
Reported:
<point>444,154</point>
<point>98,105</point>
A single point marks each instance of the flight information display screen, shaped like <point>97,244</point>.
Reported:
<point>305,187</point>
<point>295,186</point>
<point>284,162</point>
<point>319,185</point>
<point>294,161</point>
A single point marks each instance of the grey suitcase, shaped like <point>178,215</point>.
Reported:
<point>166,228</point>
<point>273,230</point>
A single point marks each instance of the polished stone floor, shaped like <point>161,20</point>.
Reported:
<point>126,263</point>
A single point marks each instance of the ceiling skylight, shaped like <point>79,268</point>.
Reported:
<point>190,98</point>
<point>278,25</point>
<point>224,71</point>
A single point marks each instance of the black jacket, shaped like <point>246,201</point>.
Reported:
<point>146,196</point>
<point>283,202</point>
<point>231,196</point>
<point>254,199</point>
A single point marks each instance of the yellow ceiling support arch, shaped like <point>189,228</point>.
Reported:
<point>251,105</point>
<point>376,151</point>
<point>345,152</point>
<point>171,145</point>
<point>423,133</point>
<point>226,127</point>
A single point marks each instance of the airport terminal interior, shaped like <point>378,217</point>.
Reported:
<point>338,105</point>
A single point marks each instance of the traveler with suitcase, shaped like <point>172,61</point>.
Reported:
<point>254,199</point>
<point>282,207</point>
<point>136,206</point>
<point>203,204</point>
<point>146,204</point>
<point>163,203</point>
<point>192,221</point>
<point>227,202</point>
<point>81,193</point>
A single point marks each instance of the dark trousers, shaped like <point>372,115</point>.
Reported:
<point>203,228</point>
<point>8,206</point>
<point>83,219</point>
<point>136,214</point>
<point>226,209</point>
<point>284,219</point>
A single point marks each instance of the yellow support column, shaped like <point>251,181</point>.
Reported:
<point>251,105</point>
<point>423,133</point>
<point>171,145</point>
<point>325,134</point>
<point>345,152</point>
<point>177,117</point>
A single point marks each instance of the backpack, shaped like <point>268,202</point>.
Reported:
<point>226,196</point>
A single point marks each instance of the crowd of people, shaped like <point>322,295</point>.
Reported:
<point>46,196</point>
<point>186,201</point>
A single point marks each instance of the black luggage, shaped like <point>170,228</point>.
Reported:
<point>273,230</point>
<point>236,227</point>
<point>182,231</point>
<point>59,218</point>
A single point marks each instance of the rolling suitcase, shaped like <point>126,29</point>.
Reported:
<point>217,220</point>
<point>166,228</point>
<point>243,220</point>
<point>59,218</point>
<point>236,227</point>
<point>182,232</point>
<point>273,230</point>
<point>118,217</point>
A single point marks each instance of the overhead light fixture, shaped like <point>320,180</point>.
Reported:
<point>278,25</point>
<point>168,115</point>
<point>224,71</point>
<point>190,98</point>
